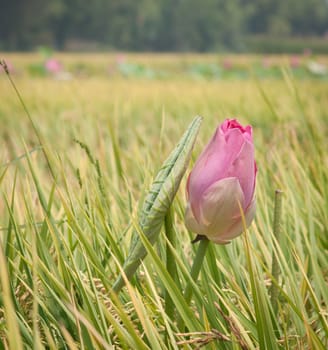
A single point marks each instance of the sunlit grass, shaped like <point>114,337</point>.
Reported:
<point>64,236</point>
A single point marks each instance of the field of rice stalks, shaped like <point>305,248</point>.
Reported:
<point>79,154</point>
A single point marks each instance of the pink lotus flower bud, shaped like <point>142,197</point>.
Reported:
<point>295,62</point>
<point>53,66</point>
<point>222,183</point>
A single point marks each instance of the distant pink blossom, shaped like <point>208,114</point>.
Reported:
<point>266,62</point>
<point>9,65</point>
<point>294,61</point>
<point>53,66</point>
<point>222,184</point>
<point>120,59</point>
<point>227,64</point>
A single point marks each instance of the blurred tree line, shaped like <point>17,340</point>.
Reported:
<point>157,25</point>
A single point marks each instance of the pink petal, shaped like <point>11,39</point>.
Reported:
<point>218,208</point>
<point>213,164</point>
<point>229,124</point>
<point>220,205</point>
<point>191,222</point>
<point>238,227</point>
<point>243,168</point>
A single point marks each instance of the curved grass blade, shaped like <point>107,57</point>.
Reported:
<point>159,199</point>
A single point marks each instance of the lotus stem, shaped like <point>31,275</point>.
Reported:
<point>275,265</point>
<point>170,260</point>
<point>195,269</point>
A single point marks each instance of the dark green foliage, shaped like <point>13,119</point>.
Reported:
<point>162,25</point>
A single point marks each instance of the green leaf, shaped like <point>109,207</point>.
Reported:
<point>159,199</point>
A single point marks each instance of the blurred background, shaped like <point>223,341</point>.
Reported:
<point>271,26</point>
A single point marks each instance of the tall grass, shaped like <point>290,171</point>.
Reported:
<point>65,235</point>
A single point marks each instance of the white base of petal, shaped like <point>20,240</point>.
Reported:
<point>220,217</point>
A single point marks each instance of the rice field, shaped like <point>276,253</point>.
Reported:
<point>79,154</point>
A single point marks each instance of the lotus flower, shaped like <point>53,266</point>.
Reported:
<point>53,66</point>
<point>221,186</point>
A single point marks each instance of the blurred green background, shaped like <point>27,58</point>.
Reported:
<point>271,26</point>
